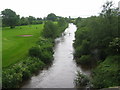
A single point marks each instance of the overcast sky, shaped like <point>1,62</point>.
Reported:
<point>65,8</point>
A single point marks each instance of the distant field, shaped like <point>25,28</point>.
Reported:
<point>15,47</point>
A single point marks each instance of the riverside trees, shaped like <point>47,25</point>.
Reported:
<point>98,33</point>
<point>52,30</point>
<point>98,37</point>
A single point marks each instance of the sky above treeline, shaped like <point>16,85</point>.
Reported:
<point>65,8</point>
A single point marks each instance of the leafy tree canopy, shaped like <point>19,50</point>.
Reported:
<point>10,18</point>
<point>52,17</point>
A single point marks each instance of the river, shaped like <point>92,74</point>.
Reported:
<point>62,72</point>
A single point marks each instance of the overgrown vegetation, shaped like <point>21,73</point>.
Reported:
<point>107,73</point>
<point>16,74</point>
<point>82,80</point>
<point>53,30</point>
<point>98,41</point>
<point>43,50</point>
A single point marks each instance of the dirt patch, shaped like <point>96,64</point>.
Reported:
<point>24,35</point>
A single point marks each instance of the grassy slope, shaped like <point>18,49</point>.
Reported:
<point>16,47</point>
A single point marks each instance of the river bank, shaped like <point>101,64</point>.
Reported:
<point>62,72</point>
<point>38,57</point>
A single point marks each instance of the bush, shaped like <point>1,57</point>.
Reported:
<point>35,52</point>
<point>82,80</point>
<point>26,74</point>
<point>107,74</point>
<point>50,30</point>
<point>46,57</point>
<point>45,44</point>
<point>42,53</point>
<point>82,49</point>
<point>11,79</point>
<point>20,72</point>
<point>85,59</point>
<point>114,46</point>
<point>43,50</point>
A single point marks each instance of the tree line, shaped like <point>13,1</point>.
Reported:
<point>11,19</point>
<point>98,43</point>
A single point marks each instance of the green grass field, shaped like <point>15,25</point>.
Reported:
<point>16,47</point>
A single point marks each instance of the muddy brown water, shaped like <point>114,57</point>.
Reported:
<point>62,72</point>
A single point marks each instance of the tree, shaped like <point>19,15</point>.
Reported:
<point>52,17</point>
<point>78,20</point>
<point>115,46</point>
<point>24,21</point>
<point>10,18</point>
<point>50,30</point>
<point>39,18</point>
<point>31,19</point>
<point>109,12</point>
<point>61,22</point>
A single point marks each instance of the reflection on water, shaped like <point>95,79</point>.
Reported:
<point>62,72</point>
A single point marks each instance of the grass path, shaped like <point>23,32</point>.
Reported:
<point>16,47</point>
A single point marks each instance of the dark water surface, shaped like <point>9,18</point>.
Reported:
<point>62,72</point>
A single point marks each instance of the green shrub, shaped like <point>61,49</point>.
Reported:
<point>85,59</point>
<point>26,74</point>
<point>78,51</point>
<point>35,52</point>
<point>20,72</point>
<point>107,74</point>
<point>43,51</point>
<point>82,80</point>
<point>82,49</point>
<point>46,56</point>
<point>50,30</point>
<point>11,80</point>
<point>114,46</point>
<point>45,44</point>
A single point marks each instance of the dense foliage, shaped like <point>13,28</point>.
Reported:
<point>82,80</point>
<point>62,25</point>
<point>107,74</point>
<point>30,20</point>
<point>52,30</point>
<point>43,50</point>
<point>51,17</point>
<point>97,38</point>
<point>16,74</point>
<point>10,18</point>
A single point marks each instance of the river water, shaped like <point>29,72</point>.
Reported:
<point>62,72</point>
